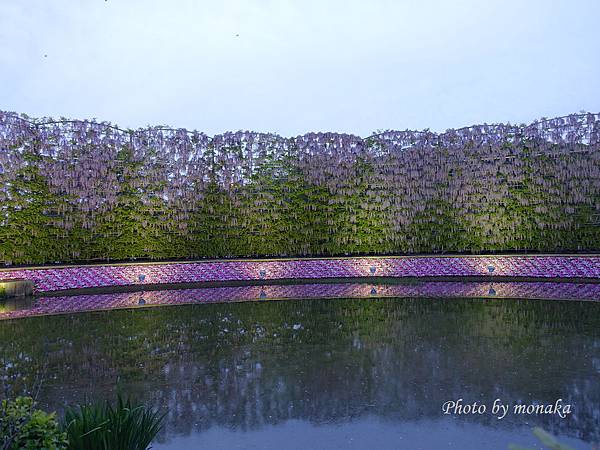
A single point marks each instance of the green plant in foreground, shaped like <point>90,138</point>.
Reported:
<point>23,427</point>
<point>100,426</point>
<point>546,439</point>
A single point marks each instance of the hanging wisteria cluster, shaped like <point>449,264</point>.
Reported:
<point>74,190</point>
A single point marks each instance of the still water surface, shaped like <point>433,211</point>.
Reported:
<point>325,373</point>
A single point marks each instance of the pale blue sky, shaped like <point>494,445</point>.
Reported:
<point>296,66</point>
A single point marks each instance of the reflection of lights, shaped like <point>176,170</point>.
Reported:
<point>206,295</point>
<point>491,269</point>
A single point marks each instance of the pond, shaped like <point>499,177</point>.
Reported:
<point>325,373</point>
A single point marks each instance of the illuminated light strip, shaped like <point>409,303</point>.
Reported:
<point>76,277</point>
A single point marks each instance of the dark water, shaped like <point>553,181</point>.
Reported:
<point>346,373</point>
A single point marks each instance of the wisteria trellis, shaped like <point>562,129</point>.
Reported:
<point>83,190</point>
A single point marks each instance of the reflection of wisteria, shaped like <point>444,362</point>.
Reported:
<point>441,289</point>
<point>76,277</point>
<point>167,193</point>
<point>325,361</point>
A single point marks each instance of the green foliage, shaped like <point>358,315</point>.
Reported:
<point>101,426</point>
<point>28,219</point>
<point>546,439</point>
<point>374,207</point>
<point>24,427</point>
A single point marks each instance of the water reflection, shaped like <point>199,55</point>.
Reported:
<point>428,289</point>
<point>322,368</point>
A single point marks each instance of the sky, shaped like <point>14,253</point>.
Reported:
<point>296,66</point>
